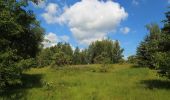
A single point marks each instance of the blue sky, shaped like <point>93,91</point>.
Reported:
<point>123,20</point>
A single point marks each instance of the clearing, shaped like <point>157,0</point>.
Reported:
<point>88,82</point>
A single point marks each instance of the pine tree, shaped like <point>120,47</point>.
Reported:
<point>163,56</point>
<point>77,56</point>
<point>146,52</point>
<point>117,52</point>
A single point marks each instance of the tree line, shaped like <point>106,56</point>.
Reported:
<point>98,52</point>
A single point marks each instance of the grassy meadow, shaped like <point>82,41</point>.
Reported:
<point>89,82</point>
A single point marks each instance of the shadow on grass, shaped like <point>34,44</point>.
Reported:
<point>19,92</point>
<point>158,84</point>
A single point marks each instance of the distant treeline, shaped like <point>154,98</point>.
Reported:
<point>98,52</point>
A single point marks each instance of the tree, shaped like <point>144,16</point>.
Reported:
<point>102,59</point>
<point>142,54</point>
<point>60,59</point>
<point>66,48</point>
<point>112,50</point>
<point>163,56</point>
<point>132,59</point>
<point>77,56</point>
<point>48,56</point>
<point>84,56</point>
<point>44,58</point>
<point>20,39</point>
<point>146,52</point>
<point>117,52</point>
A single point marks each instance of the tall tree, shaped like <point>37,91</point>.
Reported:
<point>163,56</point>
<point>117,52</point>
<point>77,56</point>
<point>20,39</point>
<point>146,52</point>
<point>44,58</point>
<point>105,49</point>
<point>84,56</point>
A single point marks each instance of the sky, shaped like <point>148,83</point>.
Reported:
<point>81,22</point>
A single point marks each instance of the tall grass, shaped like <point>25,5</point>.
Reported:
<point>87,82</point>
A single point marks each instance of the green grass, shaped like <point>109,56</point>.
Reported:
<point>87,82</point>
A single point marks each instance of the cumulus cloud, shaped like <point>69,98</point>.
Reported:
<point>91,20</point>
<point>88,20</point>
<point>50,14</point>
<point>125,30</point>
<point>52,39</point>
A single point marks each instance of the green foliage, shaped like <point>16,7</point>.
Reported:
<point>84,56</point>
<point>9,71</point>
<point>20,40</point>
<point>48,85</point>
<point>148,47</point>
<point>132,59</point>
<point>98,52</point>
<point>80,57</point>
<point>122,61</point>
<point>117,52</point>
<point>112,50</point>
<point>27,63</point>
<point>102,59</point>
<point>105,66</point>
<point>77,56</point>
<point>163,56</point>
<point>44,58</point>
<point>59,55</point>
<point>60,59</point>
<point>154,51</point>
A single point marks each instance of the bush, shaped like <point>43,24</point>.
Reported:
<point>60,59</point>
<point>9,70</point>
<point>163,63</point>
<point>27,63</point>
<point>105,64</point>
<point>132,59</point>
<point>104,68</point>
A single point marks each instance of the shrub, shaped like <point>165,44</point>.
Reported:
<point>60,59</point>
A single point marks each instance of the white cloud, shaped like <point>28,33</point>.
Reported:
<point>52,39</point>
<point>52,8</point>
<point>88,20</point>
<point>125,30</point>
<point>91,20</point>
<point>135,2</point>
<point>64,38</point>
<point>50,15</point>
